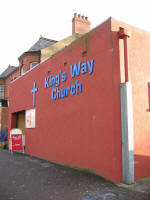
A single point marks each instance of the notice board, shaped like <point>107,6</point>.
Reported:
<point>30,118</point>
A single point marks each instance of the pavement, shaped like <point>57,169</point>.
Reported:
<point>28,178</point>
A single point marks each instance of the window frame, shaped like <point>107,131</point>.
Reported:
<point>34,65</point>
<point>2,91</point>
<point>22,72</point>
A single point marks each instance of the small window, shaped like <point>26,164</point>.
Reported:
<point>1,91</point>
<point>33,64</point>
<point>22,70</point>
<point>3,103</point>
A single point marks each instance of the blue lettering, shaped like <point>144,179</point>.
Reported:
<point>90,66</point>
<point>78,87</point>
<point>52,81</point>
<point>73,91</point>
<point>67,90</point>
<point>57,80</point>
<point>52,94</point>
<point>63,76</point>
<point>58,93</point>
<point>63,94</point>
<point>83,68</point>
<point>46,82</point>
<point>75,70</point>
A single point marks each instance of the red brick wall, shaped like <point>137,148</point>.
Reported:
<point>2,82</point>
<point>8,80</point>
<point>4,110</point>
<point>28,58</point>
<point>80,24</point>
<point>3,118</point>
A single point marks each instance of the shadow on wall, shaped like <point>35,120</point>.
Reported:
<point>142,166</point>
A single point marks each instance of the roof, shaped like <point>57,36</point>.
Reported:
<point>41,43</point>
<point>8,71</point>
<point>55,48</point>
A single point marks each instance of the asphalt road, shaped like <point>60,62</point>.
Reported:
<point>28,178</point>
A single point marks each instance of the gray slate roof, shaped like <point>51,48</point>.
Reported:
<point>7,72</point>
<point>41,43</point>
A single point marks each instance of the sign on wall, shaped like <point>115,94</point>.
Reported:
<point>54,81</point>
<point>30,118</point>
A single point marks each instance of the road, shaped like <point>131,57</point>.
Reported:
<point>27,178</point>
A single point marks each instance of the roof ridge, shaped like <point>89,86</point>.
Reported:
<point>41,43</point>
<point>44,38</point>
<point>8,71</point>
<point>11,66</point>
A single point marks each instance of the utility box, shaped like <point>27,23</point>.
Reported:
<point>16,140</point>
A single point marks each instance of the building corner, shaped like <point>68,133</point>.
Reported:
<point>127,130</point>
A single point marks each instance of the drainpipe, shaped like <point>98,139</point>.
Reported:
<point>126,113</point>
<point>125,34</point>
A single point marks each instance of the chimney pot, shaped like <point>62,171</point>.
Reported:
<point>80,24</point>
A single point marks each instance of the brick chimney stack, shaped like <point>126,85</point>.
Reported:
<point>80,24</point>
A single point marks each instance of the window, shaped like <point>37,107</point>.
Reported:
<point>22,70</point>
<point>33,64</point>
<point>1,91</point>
<point>3,103</point>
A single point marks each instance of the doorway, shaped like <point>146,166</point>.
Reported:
<point>21,124</point>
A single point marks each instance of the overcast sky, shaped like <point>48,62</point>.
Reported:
<point>23,21</point>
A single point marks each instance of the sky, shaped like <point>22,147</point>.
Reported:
<point>23,21</point>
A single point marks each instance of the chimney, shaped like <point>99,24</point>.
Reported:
<point>80,24</point>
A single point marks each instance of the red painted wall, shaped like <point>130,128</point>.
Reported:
<point>139,72</point>
<point>82,130</point>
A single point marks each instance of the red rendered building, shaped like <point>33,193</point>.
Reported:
<point>27,61</point>
<point>88,104</point>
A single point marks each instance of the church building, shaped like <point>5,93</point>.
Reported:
<point>87,103</point>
